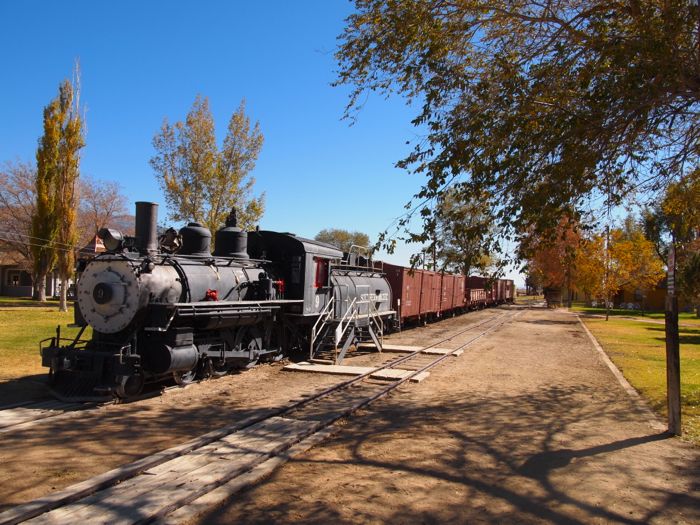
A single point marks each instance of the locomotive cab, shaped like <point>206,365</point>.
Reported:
<point>303,264</point>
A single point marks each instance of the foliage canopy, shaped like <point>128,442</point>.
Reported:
<point>539,105</point>
<point>343,239</point>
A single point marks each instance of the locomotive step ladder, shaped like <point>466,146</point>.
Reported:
<point>332,337</point>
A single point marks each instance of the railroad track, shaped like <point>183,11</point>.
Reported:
<point>168,486</point>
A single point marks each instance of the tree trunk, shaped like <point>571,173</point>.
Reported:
<point>607,307</point>
<point>63,303</point>
<point>697,311</point>
<point>40,288</point>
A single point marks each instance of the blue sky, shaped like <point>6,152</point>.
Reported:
<point>143,61</point>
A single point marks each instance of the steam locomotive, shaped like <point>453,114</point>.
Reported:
<point>167,306</point>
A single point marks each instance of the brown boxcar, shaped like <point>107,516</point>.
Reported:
<point>459,294</point>
<point>447,302</point>
<point>510,290</point>
<point>406,288</point>
<point>430,293</point>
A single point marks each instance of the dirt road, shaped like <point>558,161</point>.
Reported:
<point>528,426</point>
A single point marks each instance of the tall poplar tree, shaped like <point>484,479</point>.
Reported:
<point>66,184</point>
<point>202,182</point>
<point>58,159</point>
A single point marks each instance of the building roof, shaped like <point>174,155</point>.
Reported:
<point>94,247</point>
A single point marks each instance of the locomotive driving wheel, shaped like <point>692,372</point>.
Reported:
<point>185,377</point>
<point>129,386</point>
<point>214,367</point>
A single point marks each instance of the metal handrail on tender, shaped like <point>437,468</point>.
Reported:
<point>323,317</point>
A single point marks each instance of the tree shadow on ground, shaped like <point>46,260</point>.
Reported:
<point>27,388</point>
<point>549,322</point>
<point>687,336</point>
<point>540,457</point>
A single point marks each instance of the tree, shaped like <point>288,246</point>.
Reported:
<point>538,104</point>
<point>102,204</point>
<point>66,195</point>
<point>632,261</point>
<point>343,239</point>
<point>58,159</point>
<point>17,205</point>
<point>675,222</point>
<point>552,256</point>
<point>590,264</point>
<point>541,105</point>
<point>460,233</point>
<point>202,182</point>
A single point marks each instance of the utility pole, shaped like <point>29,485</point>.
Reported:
<point>673,365</point>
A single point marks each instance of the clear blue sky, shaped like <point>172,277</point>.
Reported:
<point>143,61</point>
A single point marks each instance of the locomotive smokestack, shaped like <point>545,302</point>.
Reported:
<point>146,223</point>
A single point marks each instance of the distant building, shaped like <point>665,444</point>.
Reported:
<point>16,277</point>
<point>91,249</point>
<point>650,299</point>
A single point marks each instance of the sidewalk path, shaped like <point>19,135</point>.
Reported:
<point>530,426</point>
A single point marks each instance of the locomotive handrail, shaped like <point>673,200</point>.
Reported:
<point>352,312</point>
<point>322,318</point>
<point>373,316</point>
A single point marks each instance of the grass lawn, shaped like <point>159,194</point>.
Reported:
<point>683,317</point>
<point>21,329</point>
<point>638,350</point>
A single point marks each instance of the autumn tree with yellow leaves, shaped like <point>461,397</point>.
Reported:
<point>598,265</point>
<point>58,168</point>
<point>201,181</point>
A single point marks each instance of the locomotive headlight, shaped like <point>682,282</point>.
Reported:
<point>112,239</point>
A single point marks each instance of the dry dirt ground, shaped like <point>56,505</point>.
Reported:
<point>55,454</point>
<point>527,426</point>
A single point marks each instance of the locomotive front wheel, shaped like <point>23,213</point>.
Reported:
<point>129,386</point>
<point>183,378</point>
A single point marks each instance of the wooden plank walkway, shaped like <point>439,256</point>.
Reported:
<point>389,373</point>
<point>24,416</point>
<point>180,480</point>
<point>404,349</point>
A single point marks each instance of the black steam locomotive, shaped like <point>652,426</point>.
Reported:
<point>167,306</point>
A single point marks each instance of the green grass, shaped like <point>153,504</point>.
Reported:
<point>638,350</point>
<point>683,317</point>
<point>25,301</point>
<point>21,329</point>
